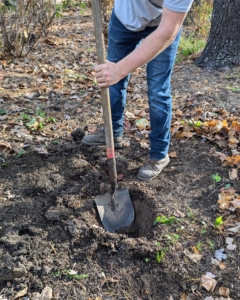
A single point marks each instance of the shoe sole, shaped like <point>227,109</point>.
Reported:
<point>148,179</point>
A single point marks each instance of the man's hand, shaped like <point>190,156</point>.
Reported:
<point>107,74</point>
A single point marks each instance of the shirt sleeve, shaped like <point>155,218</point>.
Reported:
<point>178,5</point>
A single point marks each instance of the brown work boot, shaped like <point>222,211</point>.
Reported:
<point>99,140</point>
<point>152,168</point>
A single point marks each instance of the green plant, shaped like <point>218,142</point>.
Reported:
<point>190,213</point>
<point>165,220</point>
<point>189,45</point>
<point>51,119</point>
<point>82,7</point>
<point>227,186</point>
<point>199,246</point>
<point>234,89</point>
<point>204,227</point>
<point>146,259</point>
<point>211,245</point>
<point>218,221</point>
<point>172,238</point>
<point>25,116</point>
<point>160,255</point>
<point>4,161</point>
<point>3,112</point>
<point>20,153</point>
<point>72,275</point>
<point>57,272</point>
<point>216,178</point>
<point>198,124</point>
<point>40,113</point>
<point>199,18</point>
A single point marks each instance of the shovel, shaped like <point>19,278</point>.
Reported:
<point>115,208</point>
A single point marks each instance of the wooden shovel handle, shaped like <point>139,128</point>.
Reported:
<point>107,115</point>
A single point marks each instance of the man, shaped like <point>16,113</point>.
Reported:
<point>142,31</point>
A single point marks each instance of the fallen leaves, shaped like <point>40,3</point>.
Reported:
<point>41,150</point>
<point>220,255</point>
<point>215,126</point>
<point>230,245</point>
<point>235,229</point>
<point>229,199</point>
<point>21,293</point>
<point>144,144</point>
<point>208,281</point>
<point>193,256</point>
<point>233,174</point>
<point>46,294</point>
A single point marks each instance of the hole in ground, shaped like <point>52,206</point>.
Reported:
<point>144,215</point>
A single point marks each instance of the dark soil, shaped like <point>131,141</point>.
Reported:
<point>49,224</point>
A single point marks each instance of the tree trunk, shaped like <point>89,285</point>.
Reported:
<point>223,45</point>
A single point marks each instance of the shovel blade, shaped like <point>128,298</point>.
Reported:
<point>122,215</point>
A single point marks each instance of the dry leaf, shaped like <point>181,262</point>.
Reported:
<point>126,143</point>
<point>130,115</point>
<point>178,113</point>
<point>127,125</point>
<point>233,174</point>
<point>208,281</point>
<point>41,150</point>
<point>224,200</point>
<point>222,266</point>
<point>220,255</point>
<point>179,214</point>
<point>223,291</point>
<point>215,262</point>
<point>144,144</point>
<point>235,126</point>
<point>235,229</point>
<point>221,144</point>
<point>185,134</point>
<point>20,293</point>
<point>16,147</point>
<point>4,146</point>
<point>232,160</point>
<point>193,256</point>
<point>173,154</point>
<point>137,112</point>
<point>230,245</point>
<point>236,203</point>
<point>195,250</point>
<point>183,297</point>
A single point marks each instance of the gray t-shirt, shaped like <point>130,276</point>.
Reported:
<point>136,15</point>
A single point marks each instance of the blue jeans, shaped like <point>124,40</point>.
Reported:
<point>121,42</point>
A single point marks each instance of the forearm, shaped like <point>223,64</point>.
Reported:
<point>154,44</point>
<point>143,53</point>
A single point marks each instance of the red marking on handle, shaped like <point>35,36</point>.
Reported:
<point>110,153</point>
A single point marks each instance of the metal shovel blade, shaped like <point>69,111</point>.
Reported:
<point>122,215</point>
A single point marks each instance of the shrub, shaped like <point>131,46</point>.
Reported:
<point>22,22</point>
